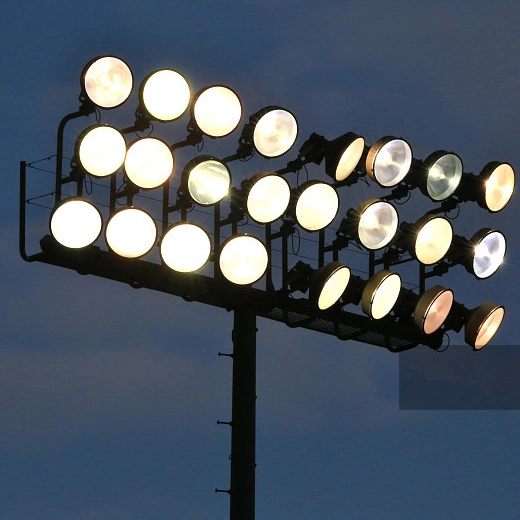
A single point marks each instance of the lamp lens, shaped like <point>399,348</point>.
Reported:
<point>268,198</point>
<point>489,254</point>
<point>433,240</point>
<point>392,162</point>
<point>482,324</point>
<point>377,224</point>
<point>131,232</point>
<point>76,223</point>
<point>217,111</point>
<point>380,294</point>
<point>433,308</point>
<point>185,247</point>
<point>108,82</point>
<point>243,259</point>
<point>208,181</point>
<point>317,206</point>
<point>102,150</point>
<point>166,95</point>
<point>333,287</point>
<point>149,162</point>
<point>349,159</point>
<point>444,176</point>
<point>275,133</point>
<point>499,187</point>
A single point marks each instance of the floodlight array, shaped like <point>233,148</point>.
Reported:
<point>149,163</point>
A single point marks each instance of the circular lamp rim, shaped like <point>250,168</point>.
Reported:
<point>178,224</point>
<point>229,239</point>
<point>84,72</point>
<point>297,192</point>
<point>424,304</point>
<point>476,320</point>
<point>358,213</point>
<point>141,95</point>
<point>81,137</point>
<point>255,118</point>
<point>370,289</point>
<point>372,155</point>
<point>350,138</point>
<point>320,277</point>
<point>419,224</point>
<point>71,199</point>
<point>484,176</point>
<point>190,165</point>
<point>119,210</point>
<point>149,137</point>
<point>194,102</point>
<point>428,163</point>
<point>248,184</point>
<point>474,241</point>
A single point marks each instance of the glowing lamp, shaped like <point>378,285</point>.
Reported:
<point>388,161</point>
<point>432,309</point>
<point>274,131</point>
<point>380,294</point>
<point>149,162</point>
<point>243,259</point>
<point>482,324</point>
<point>185,247</point>
<point>76,223</point>
<point>216,110</point>
<point>429,239</point>
<point>268,196</point>
<point>342,155</point>
<point>207,179</point>
<point>328,283</point>
<point>131,232</point>
<point>374,223</point>
<point>107,81</point>
<point>165,95</point>
<point>101,150</point>
<point>443,174</point>
<point>316,206</point>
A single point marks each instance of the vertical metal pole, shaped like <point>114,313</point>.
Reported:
<point>243,420</point>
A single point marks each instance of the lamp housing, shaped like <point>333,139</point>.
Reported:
<point>107,81</point>
<point>388,161</point>
<point>216,110</point>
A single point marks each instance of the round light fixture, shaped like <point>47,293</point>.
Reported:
<point>185,247</point>
<point>328,283</point>
<point>499,183</point>
<point>268,197</point>
<point>149,162</point>
<point>207,179</point>
<point>131,232</point>
<point>216,110</point>
<point>443,174</point>
<point>107,81</point>
<point>377,224</point>
<point>432,309</point>
<point>388,161</point>
<point>316,206</point>
<point>432,238</point>
<point>101,150</point>
<point>489,249</point>
<point>342,155</point>
<point>482,324</point>
<point>76,223</point>
<point>243,259</point>
<point>275,131</point>
<point>380,294</point>
<point>165,94</point>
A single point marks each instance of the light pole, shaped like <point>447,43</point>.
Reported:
<point>236,245</point>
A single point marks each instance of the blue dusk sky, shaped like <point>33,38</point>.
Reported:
<point>109,397</point>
